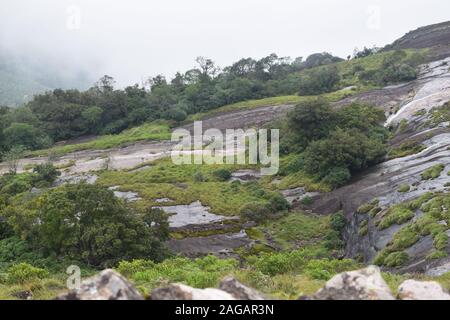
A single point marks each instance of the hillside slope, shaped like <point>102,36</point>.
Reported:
<point>423,37</point>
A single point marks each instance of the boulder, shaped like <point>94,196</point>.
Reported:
<point>364,284</point>
<point>239,291</point>
<point>183,292</point>
<point>421,290</point>
<point>107,285</point>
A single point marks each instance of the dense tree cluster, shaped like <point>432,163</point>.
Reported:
<point>334,144</point>
<point>83,222</point>
<point>103,109</point>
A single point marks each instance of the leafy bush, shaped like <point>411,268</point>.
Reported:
<point>277,202</point>
<point>319,80</point>
<point>343,149</point>
<point>396,215</point>
<point>46,173</point>
<point>22,272</point>
<point>404,188</point>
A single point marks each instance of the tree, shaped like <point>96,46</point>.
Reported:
<point>88,223</point>
<point>319,80</point>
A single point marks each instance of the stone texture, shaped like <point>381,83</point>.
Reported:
<point>364,284</point>
<point>421,290</point>
<point>238,290</point>
<point>183,292</point>
<point>107,285</point>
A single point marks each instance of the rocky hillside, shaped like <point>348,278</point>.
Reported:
<point>424,37</point>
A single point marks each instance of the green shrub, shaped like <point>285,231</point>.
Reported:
<point>277,202</point>
<point>396,259</point>
<point>46,174</point>
<point>337,177</point>
<point>324,269</point>
<point>128,268</point>
<point>396,215</point>
<point>436,254</point>
<point>306,201</point>
<point>440,241</point>
<point>22,272</point>
<point>255,211</point>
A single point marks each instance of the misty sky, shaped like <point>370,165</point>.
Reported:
<point>134,39</point>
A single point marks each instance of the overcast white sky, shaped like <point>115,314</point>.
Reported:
<point>134,39</point>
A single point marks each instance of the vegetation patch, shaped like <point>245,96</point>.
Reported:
<point>432,172</point>
<point>406,149</point>
<point>435,210</point>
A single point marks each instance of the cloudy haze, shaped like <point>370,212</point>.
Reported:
<point>134,39</point>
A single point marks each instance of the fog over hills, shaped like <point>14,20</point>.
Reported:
<point>73,43</point>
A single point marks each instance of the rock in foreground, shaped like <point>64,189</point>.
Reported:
<point>364,284</point>
<point>107,285</point>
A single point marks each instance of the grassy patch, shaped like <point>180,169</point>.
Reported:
<point>395,215</point>
<point>276,101</point>
<point>297,229</point>
<point>432,172</point>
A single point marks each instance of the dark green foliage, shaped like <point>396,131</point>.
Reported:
<point>255,211</point>
<point>45,173</point>
<point>344,149</point>
<point>311,120</point>
<point>432,172</point>
<point>22,272</point>
<point>222,174</point>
